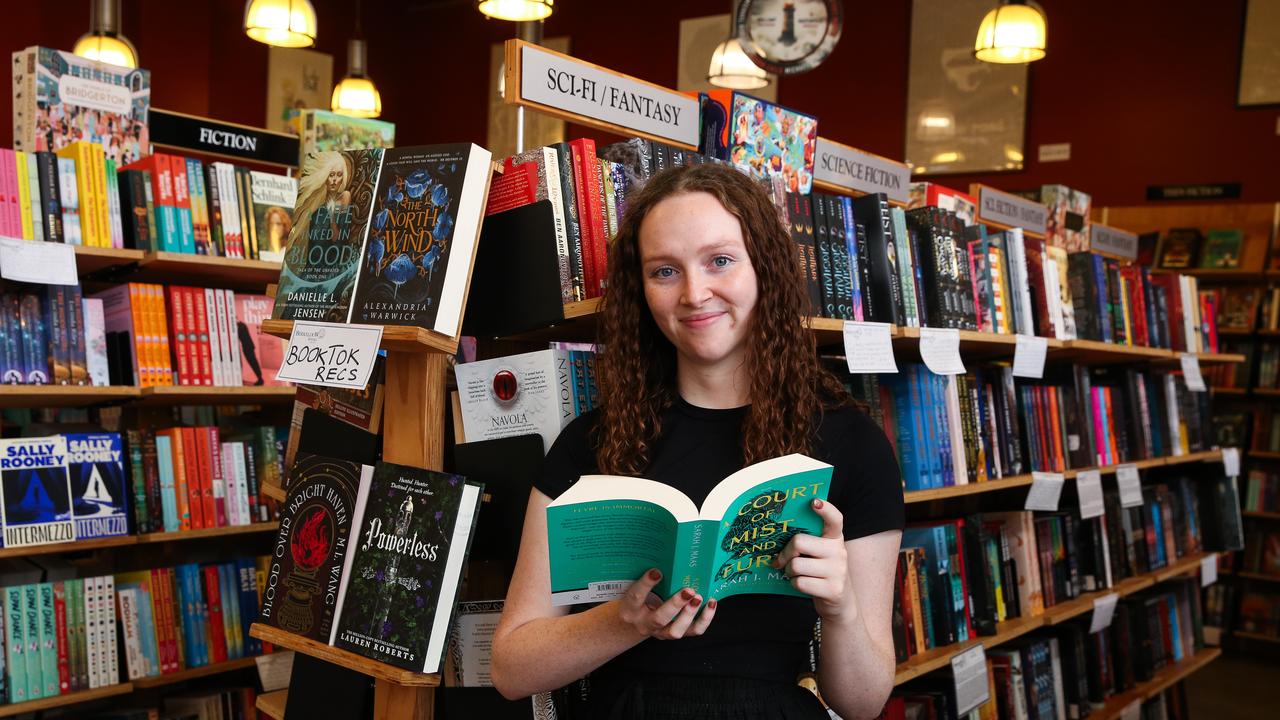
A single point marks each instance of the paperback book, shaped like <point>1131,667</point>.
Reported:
<point>274,197</point>
<point>36,497</point>
<point>605,531</point>
<point>100,505</point>
<point>261,355</point>
<point>400,585</point>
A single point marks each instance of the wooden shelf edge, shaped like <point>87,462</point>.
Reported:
<point>210,261</point>
<point>68,547</point>
<point>936,658</point>
<point>192,673</point>
<point>394,337</point>
<point>1255,636</point>
<point>1263,577</point>
<point>1261,515</point>
<point>202,533</point>
<point>272,704</point>
<point>337,656</point>
<point>1163,679</point>
<point>73,698</point>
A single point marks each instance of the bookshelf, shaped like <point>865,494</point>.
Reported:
<point>75,698</point>
<point>1162,680</point>
<point>193,673</point>
<point>272,704</point>
<point>87,546</point>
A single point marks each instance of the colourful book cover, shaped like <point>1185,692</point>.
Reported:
<point>274,197</point>
<point>61,98</point>
<point>100,502</point>
<point>326,241</point>
<point>1222,249</point>
<point>422,236</point>
<point>768,139</point>
<point>260,354</point>
<point>606,531</point>
<point>399,587</point>
<point>323,130</point>
<point>35,501</point>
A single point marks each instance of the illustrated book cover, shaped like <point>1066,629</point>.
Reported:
<point>261,355</point>
<point>400,585</point>
<point>323,130</point>
<point>35,502</point>
<point>521,394</point>
<point>99,495</point>
<point>767,139</point>
<point>422,237</point>
<point>274,197</point>
<point>315,530</point>
<point>605,531</point>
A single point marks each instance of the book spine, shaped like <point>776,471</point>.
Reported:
<point>51,679</point>
<point>217,503</point>
<point>49,196</point>
<point>23,180</point>
<point>248,224</point>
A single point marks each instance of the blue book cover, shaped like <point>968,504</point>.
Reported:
<point>35,501</point>
<point>248,596</point>
<point>168,500</point>
<point>99,491</point>
<point>230,612</point>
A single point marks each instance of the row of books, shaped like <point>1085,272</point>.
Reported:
<point>79,196</point>
<point>185,478</point>
<point>1262,551</point>
<point>1257,428</point>
<point>1262,493</point>
<point>1220,605</point>
<point>58,636</point>
<point>189,616</point>
<point>1260,613</point>
<point>985,424</point>
<point>1066,671</point>
<point>139,334</point>
<point>957,579</point>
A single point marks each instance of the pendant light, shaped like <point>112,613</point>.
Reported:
<point>516,10</point>
<point>730,66</point>
<point>356,95</point>
<point>1012,33</point>
<point>104,42</point>
<point>283,23</point>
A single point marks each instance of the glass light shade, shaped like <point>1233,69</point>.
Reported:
<point>107,49</point>
<point>731,68</point>
<point>1011,34</point>
<point>283,23</point>
<point>516,10</point>
<point>357,97</point>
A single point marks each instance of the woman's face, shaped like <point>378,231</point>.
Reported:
<point>698,279</point>
<point>335,180</point>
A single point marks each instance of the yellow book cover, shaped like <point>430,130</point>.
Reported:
<point>1124,311</point>
<point>24,195</point>
<point>98,157</point>
<point>78,154</point>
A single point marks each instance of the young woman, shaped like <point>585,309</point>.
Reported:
<point>705,368</point>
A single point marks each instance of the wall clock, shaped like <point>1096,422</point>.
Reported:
<point>788,37</point>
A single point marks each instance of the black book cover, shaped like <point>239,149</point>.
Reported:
<point>801,212</point>
<point>50,197</point>
<point>884,286</point>
<point>507,467</point>
<point>982,587</point>
<point>968,319</point>
<point>841,263</point>
<point>400,587</point>
<point>632,164</point>
<point>1084,297</point>
<point>311,545</point>
<point>133,210</point>
<point>217,240</point>
<point>822,241</point>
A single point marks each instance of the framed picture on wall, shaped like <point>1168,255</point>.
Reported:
<point>296,79</point>
<point>1260,55</point>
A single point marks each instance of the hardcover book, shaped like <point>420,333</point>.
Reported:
<point>1068,220</point>
<point>99,497</point>
<point>767,139</point>
<point>400,585</point>
<point>274,197</point>
<point>60,98</point>
<point>1222,249</point>
<point>35,501</point>
<point>422,237</point>
<point>326,240</point>
<point>311,546</point>
<point>359,408</point>
<point>323,130</point>
<point>604,532</point>
<point>518,395</point>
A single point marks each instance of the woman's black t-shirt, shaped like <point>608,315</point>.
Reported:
<point>764,637</point>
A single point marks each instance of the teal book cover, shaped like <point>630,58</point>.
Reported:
<point>606,531</point>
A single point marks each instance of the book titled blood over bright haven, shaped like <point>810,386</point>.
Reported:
<point>605,531</point>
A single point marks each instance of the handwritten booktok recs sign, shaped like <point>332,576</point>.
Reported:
<point>604,98</point>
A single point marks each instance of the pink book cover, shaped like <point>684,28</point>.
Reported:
<point>260,354</point>
<point>9,194</point>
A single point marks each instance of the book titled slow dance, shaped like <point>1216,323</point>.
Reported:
<point>605,531</point>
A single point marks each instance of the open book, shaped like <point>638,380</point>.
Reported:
<point>606,531</point>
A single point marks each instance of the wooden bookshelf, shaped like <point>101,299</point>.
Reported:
<point>94,260</point>
<point>1162,680</point>
<point>1263,454</point>
<point>35,396</point>
<point>394,337</point>
<point>328,653</point>
<point>1255,636</point>
<point>1078,606</point>
<point>1225,275</point>
<point>1267,392</point>
<point>1261,515</point>
<point>1264,577</point>
<point>1219,358</point>
<point>272,704</point>
<point>69,547</point>
<point>203,533</point>
<point>227,395</point>
<point>207,270</point>
<point>193,673</point>
<point>1229,391</point>
<point>73,698</point>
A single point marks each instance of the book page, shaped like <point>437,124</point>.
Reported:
<point>598,548</point>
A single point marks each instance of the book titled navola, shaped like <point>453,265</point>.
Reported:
<point>606,531</point>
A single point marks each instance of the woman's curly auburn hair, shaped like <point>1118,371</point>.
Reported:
<point>636,366</point>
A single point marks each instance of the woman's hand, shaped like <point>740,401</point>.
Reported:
<point>819,566</point>
<point>649,616</point>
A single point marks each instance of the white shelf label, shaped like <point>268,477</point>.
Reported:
<point>44,263</point>
<point>1191,372</point>
<point>1028,356</point>
<point>1089,489</point>
<point>940,350</point>
<point>1130,485</point>
<point>1231,461</point>
<point>970,671</point>
<point>274,670</point>
<point>1132,711</point>
<point>337,355</point>
<point>1209,570</point>
<point>852,168</point>
<point>868,347</point>
<point>1104,608</point>
<point>1046,489</point>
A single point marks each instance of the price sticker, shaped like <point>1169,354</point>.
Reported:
<point>337,355</point>
<point>868,347</point>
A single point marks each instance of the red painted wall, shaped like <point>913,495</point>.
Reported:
<point>1144,91</point>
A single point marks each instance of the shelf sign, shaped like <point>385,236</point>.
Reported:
<point>1046,490</point>
<point>1029,355</point>
<point>1104,238</point>
<point>221,138</point>
<point>44,263</point>
<point>333,354</point>
<point>855,169</point>
<point>1208,191</point>
<point>1130,484</point>
<point>868,347</point>
<point>940,350</point>
<point>1104,608</point>
<point>596,94</point>
<point>1089,492</point>
<point>1208,569</point>
<point>969,669</point>
<point>1003,208</point>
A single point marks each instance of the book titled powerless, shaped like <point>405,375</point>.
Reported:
<point>605,531</point>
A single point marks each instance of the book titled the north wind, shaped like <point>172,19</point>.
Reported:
<point>35,502</point>
<point>605,531</point>
<point>399,588</point>
<point>95,462</point>
<point>311,546</point>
